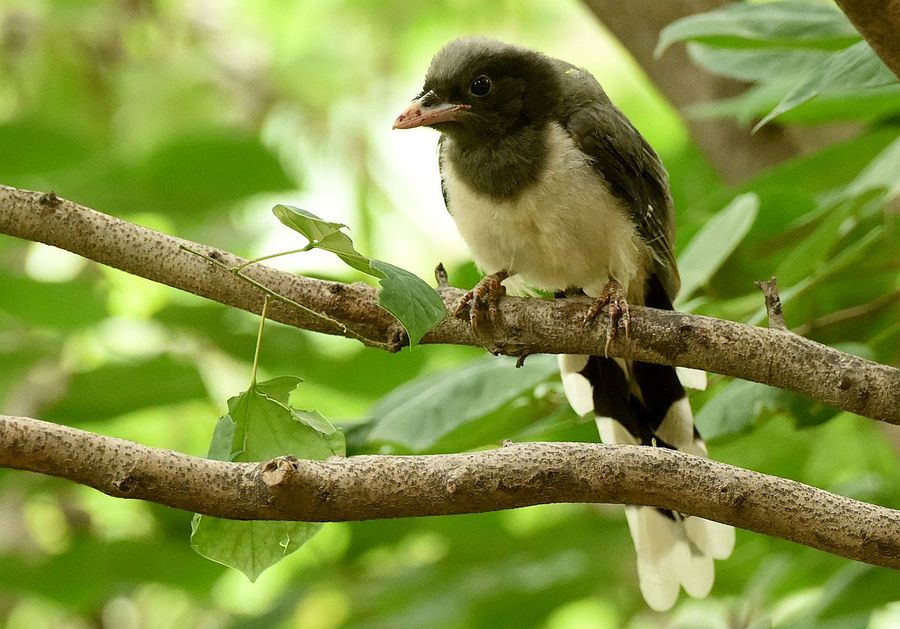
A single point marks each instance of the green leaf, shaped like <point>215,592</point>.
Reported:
<point>756,64</point>
<point>790,23</point>
<point>810,252</point>
<point>340,244</point>
<point>222,439</point>
<point>252,546</point>
<point>881,173</point>
<point>718,238</point>
<point>414,303</point>
<point>735,408</point>
<point>204,171</point>
<point>420,413</point>
<point>308,224</point>
<point>738,405</point>
<point>324,235</point>
<point>778,71</point>
<point>33,146</point>
<point>746,107</point>
<point>873,104</point>
<point>116,388</point>
<point>261,425</point>
<point>854,68</point>
<point>26,299</point>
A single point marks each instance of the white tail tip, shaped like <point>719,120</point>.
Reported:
<point>676,553</point>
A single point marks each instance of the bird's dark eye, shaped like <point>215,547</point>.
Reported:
<point>480,86</point>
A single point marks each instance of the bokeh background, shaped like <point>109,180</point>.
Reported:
<point>194,118</point>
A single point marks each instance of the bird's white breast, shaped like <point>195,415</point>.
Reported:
<point>565,231</point>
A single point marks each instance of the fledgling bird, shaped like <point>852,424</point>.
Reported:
<point>548,181</point>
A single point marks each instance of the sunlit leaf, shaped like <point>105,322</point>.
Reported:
<point>308,224</point>
<point>712,245</point>
<point>789,23</point>
<point>854,68</point>
<point>406,296</point>
<point>261,425</point>
<point>251,546</point>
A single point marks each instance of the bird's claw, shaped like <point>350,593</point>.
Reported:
<point>486,293</point>
<point>612,297</point>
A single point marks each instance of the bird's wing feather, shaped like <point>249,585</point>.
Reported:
<point>620,154</point>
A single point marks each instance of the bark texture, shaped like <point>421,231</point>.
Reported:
<point>878,21</point>
<point>529,326</point>
<point>517,475</point>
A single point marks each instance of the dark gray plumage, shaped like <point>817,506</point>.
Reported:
<point>548,181</point>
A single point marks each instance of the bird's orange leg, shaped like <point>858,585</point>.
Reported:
<point>613,298</point>
<point>486,293</point>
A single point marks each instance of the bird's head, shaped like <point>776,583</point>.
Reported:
<point>478,90</point>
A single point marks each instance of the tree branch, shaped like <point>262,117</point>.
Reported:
<point>518,475</point>
<point>878,21</point>
<point>531,326</point>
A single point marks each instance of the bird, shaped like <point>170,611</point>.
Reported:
<point>552,186</point>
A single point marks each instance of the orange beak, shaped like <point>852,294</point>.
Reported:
<point>418,114</point>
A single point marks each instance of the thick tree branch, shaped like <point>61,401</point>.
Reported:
<point>878,21</point>
<point>367,487</point>
<point>530,326</point>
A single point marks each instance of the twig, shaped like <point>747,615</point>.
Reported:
<point>773,303</point>
<point>440,276</point>
<point>237,271</point>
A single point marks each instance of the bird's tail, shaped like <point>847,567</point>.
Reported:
<point>645,404</point>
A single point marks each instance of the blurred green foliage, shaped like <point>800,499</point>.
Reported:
<point>195,117</point>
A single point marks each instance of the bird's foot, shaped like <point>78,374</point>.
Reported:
<point>486,294</point>
<point>613,298</point>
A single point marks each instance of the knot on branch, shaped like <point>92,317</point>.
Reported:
<point>126,483</point>
<point>49,200</point>
<point>277,472</point>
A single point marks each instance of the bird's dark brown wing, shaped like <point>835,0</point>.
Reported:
<point>621,155</point>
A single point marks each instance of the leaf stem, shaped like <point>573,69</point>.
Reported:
<point>259,336</point>
<point>268,291</point>
<point>247,263</point>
